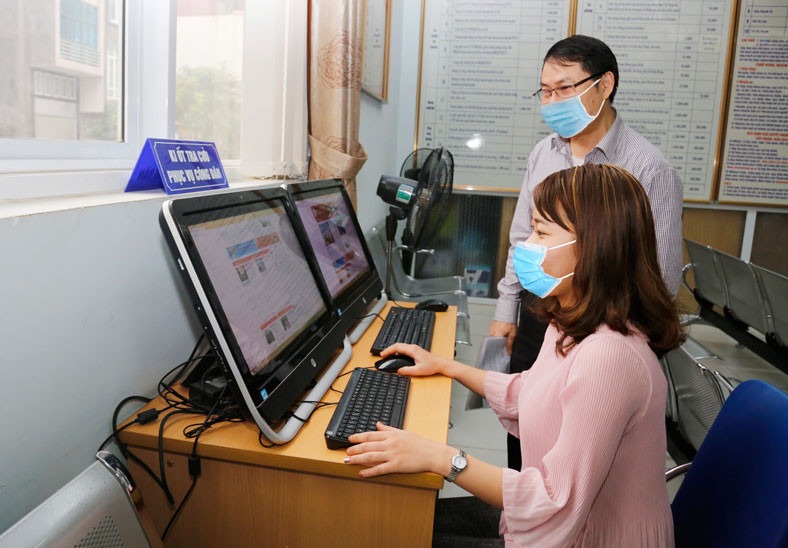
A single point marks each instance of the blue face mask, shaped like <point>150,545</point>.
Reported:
<point>527,260</point>
<point>569,117</point>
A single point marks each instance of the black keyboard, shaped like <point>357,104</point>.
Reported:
<point>370,396</point>
<point>407,325</point>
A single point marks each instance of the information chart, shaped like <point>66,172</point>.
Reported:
<point>376,49</point>
<point>755,166</point>
<point>672,64</point>
<point>481,62</point>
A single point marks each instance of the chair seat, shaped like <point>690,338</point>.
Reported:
<point>736,492</point>
<point>696,391</point>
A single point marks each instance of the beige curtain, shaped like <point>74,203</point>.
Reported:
<point>336,31</point>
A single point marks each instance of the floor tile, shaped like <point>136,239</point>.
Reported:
<point>477,428</point>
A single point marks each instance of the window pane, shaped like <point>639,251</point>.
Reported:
<point>63,79</point>
<point>209,55</point>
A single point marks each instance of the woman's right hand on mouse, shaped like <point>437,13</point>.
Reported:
<point>425,363</point>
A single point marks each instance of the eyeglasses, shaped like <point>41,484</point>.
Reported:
<point>564,92</point>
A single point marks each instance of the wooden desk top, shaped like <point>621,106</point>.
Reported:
<point>427,414</point>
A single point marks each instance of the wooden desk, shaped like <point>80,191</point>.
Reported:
<point>300,494</point>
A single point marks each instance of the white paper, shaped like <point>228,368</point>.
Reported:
<point>492,357</point>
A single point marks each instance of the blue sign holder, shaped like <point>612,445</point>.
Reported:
<point>178,167</point>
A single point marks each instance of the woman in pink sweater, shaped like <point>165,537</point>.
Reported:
<point>590,412</point>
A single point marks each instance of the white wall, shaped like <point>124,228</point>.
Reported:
<point>387,129</point>
<point>92,310</point>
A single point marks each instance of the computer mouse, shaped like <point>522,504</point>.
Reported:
<point>394,362</point>
<point>436,305</point>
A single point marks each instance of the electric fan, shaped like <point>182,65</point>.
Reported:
<point>411,167</point>
<point>422,203</point>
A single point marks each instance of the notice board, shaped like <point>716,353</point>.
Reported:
<point>377,31</point>
<point>755,161</point>
<point>481,62</point>
<point>672,59</point>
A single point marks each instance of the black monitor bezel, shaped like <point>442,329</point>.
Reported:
<point>352,303</point>
<point>311,351</point>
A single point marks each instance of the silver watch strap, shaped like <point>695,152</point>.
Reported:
<point>455,470</point>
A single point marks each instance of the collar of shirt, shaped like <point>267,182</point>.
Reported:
<point>605,148</point>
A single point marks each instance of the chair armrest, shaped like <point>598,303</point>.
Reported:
<point>684,270</point>
<point>677,471</point>
<point>727,383</point>
<point>697,350</point>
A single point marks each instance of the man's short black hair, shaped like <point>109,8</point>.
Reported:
<point>592,54</point>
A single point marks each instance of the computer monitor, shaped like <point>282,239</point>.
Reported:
<point>258,295</point>
<point>336,239</point>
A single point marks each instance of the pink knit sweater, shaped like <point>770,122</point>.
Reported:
<point>593,445</point>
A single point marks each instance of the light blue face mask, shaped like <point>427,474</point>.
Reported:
<point>569,117</point>
<point>527,259</point>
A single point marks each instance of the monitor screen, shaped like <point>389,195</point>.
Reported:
<point>333,231</point>
<point>256,284</point>
<point>261,277</point>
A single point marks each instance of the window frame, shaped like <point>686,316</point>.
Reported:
<point>36,168</point>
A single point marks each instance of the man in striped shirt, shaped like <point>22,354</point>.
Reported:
<point>578,84</point>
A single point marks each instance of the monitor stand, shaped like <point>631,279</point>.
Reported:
<point>290,428</point>
<point>367,319</point>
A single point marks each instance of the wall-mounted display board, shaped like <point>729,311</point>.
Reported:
<point>481,61</point>
<point>672,58</point>
<point>377,32</point>
<point>755,166</point>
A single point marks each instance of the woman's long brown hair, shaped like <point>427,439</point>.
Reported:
<point>617,278</point>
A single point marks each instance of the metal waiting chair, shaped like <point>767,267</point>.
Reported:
<point>451,289</point>
<point>775,292</point>
<point>695,351</point>
<point>739,290</point>
<point>735,492</point>
<point>696,392</point>
<point>709,288</point>
<point>97,508</point>
<point>745,300</point>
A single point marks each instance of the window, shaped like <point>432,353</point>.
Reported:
<point>209,73</point>
<point>79,32</point>
<point>92,79</point>
<point>113,74</point>
<point>114,11</point>
<point>55,85</point>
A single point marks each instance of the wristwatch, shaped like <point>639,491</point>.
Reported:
<point>458,464</point>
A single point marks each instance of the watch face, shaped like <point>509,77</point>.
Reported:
<point>459,461</point>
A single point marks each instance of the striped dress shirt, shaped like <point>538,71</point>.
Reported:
<point>621,146</point>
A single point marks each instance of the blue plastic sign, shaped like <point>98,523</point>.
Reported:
<point>178,166</point>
